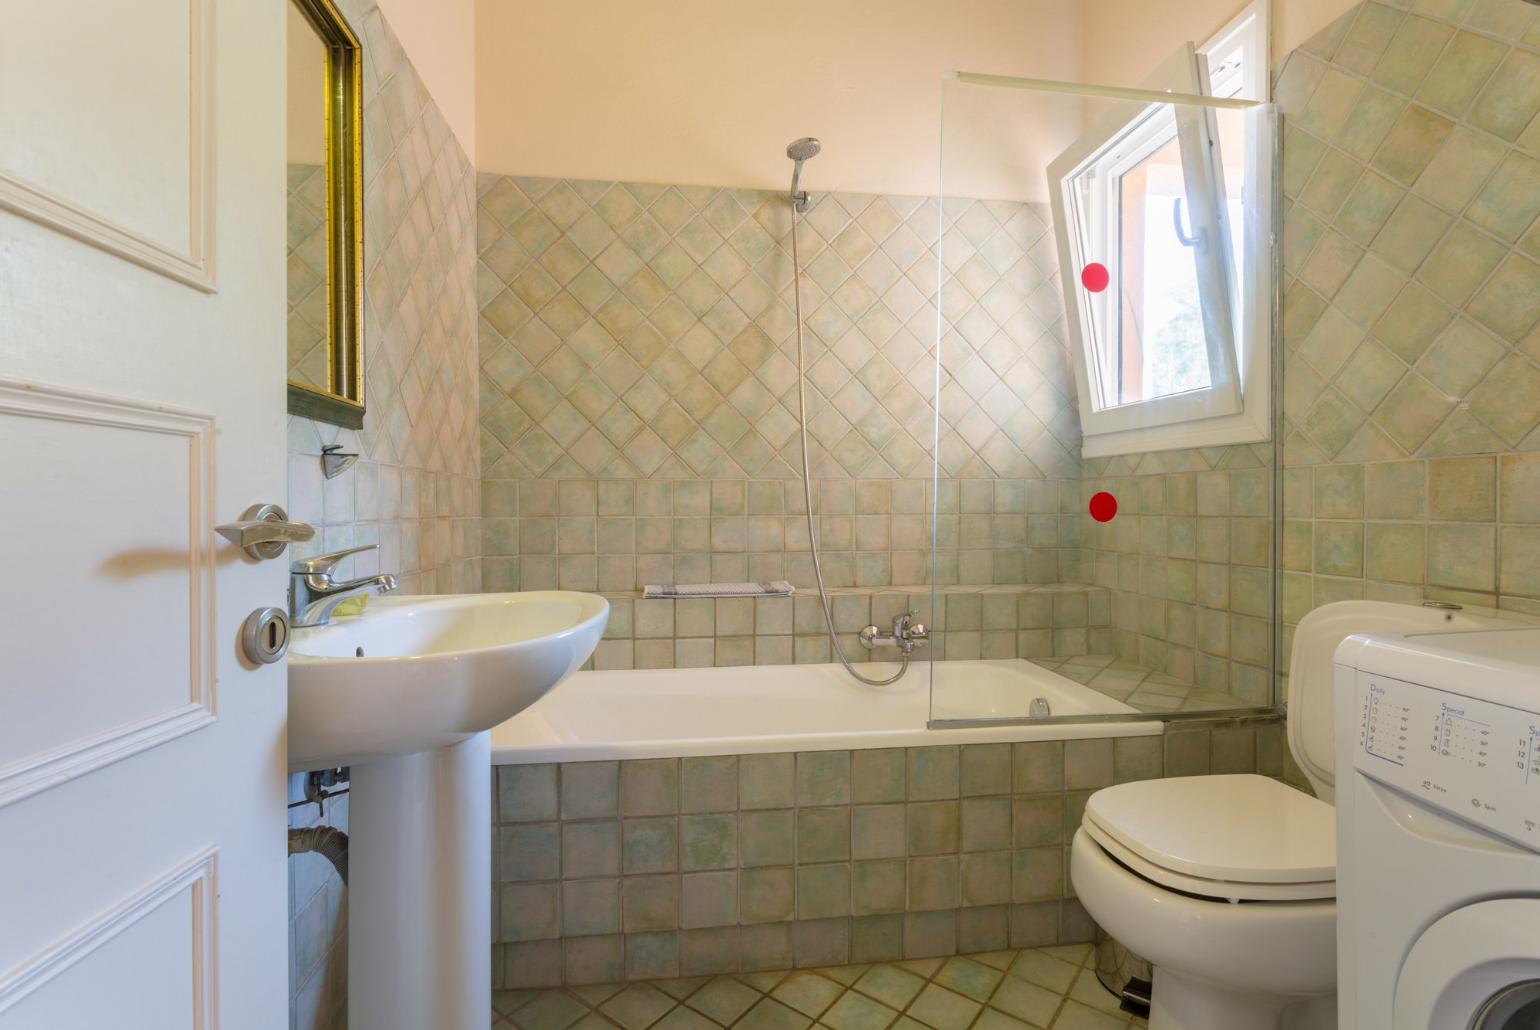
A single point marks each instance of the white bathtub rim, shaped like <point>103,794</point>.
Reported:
<point>697,747</point>
<point>684,717</point>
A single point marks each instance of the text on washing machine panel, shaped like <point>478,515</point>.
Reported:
<point>1464,755</point>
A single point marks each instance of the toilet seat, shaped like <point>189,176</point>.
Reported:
<point>1233,838</point>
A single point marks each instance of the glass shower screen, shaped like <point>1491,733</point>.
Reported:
<point>1104,499</point>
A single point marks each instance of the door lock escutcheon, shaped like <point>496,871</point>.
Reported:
<point>265,635</point>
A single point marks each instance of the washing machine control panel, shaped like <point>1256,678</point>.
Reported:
<point>1478,760</point>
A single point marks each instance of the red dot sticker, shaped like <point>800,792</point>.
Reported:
<point>1103,506</point>
<point>1095,277</point>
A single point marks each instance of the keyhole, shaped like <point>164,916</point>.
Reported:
<point>265,636</point>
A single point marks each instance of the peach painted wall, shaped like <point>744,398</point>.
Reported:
<point>707,92</point>
<point>710,92</point>
<point>307,92</point>
<point>1125,39</point>
<point>1295,21</point>
<point>439,37</point>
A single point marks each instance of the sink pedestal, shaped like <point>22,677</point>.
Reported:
<point>420,890</point>
<point>405,694</point>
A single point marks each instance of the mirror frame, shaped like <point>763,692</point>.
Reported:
<point>343,403</point>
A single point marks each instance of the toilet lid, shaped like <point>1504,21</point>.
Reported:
<point>1240,836</point>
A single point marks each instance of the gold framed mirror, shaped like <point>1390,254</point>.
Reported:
<point>325,215</point>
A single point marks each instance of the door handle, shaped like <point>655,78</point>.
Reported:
<point>265,531</point>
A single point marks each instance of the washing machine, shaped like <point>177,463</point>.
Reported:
<point>1438,831</point>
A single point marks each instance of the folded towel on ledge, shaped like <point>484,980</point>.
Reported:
<point>775,588</point>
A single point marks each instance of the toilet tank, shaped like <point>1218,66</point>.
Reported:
<point>1311,677</point>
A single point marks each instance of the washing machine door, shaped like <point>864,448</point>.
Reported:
<point>1477,968</point>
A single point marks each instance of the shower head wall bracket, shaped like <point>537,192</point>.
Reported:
<point>801,150</point>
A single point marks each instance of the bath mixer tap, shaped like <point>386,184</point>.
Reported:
<point>313,594</point>
<point>906,635</point>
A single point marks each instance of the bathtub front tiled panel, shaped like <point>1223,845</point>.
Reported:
<point>680,867</point>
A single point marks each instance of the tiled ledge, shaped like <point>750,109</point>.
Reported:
<point>968,622</point>
<point>1146,689</point>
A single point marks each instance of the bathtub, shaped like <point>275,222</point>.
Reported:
<point>687,713</point>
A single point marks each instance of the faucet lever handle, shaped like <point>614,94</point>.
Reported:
<point>326,564</point>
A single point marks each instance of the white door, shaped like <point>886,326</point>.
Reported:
<point>142,854</point>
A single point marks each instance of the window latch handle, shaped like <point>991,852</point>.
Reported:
<point>1181,233</point>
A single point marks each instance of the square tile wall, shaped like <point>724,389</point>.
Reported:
<point>415,490</point>
<point>1411,391</point>
<point>639,389</point>
<point>1189,563</point>
<point>655,868</point>
<point>965,623</point>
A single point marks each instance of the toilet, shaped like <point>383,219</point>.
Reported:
<point>1226,884</point>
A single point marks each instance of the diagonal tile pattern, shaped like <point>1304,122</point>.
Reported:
<point>632,330</point>
<point>1409,400</point>
<point>1411,389</point>
<point>1411,182</point>
<point>415,490</point>
<point>307,275</point>
<point>419,211</point>
<point>1043,988</point>
<point>637,345</point>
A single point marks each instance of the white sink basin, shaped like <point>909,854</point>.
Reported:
<point>415,673</point>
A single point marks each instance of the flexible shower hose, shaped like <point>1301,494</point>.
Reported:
<point>807,476</point>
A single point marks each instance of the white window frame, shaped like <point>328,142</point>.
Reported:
<point>1237,407</point>
<point>1091,174</point>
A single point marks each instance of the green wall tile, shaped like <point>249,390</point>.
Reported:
<point>1511,98</point>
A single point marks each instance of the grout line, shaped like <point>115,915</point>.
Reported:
<point>1082,968</point>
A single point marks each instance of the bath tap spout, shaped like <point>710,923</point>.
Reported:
<point>906,635</point>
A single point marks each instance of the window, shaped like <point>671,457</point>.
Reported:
<point>1163,212</point>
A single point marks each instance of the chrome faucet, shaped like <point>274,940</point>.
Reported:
<point>906,635</point>
<point>313,594</point>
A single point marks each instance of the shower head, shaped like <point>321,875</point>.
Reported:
<point>800,150</point>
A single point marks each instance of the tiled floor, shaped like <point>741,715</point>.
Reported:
<point>1037,987</point>
<point>1136,685</point>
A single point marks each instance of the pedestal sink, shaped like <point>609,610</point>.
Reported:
<point>405,694</point>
